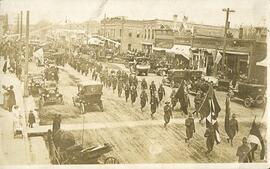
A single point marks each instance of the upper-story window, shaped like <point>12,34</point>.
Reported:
<point>130,34</point>
<point>153,34</point>
<point>149,34</point>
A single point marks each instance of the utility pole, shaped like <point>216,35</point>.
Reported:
<point>18,24</point>
<point>21,25</point>
<point>26,93</point>
<point>224,58</point>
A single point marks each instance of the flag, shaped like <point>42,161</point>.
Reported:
<point>210,110</point>
<point>227,116</point>
<point>209,99</point>
<point>180,92</point>
<point>256,138</point>
<point>218,58</point>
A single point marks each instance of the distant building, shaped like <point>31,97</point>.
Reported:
<point>3,25</point>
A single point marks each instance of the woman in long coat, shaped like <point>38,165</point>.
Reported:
<point>11,98</point>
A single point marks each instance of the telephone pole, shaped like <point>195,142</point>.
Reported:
<point>224,58</point>
<point>26,93</point>
<point>21,25</point>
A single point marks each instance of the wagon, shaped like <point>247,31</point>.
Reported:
<point>17,129</point>
<point>89,94</point>
<point>64,150</point>
<point>251,94</point>
<point>141,66</point>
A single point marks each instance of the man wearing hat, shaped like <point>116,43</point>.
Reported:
<point>144,99</point>
<point>233,129</point>
<point>190,127</point>
<point>197,101</point>
<point>11,98</point>
<point>31,119</point>
<point>243,152</point>
<point>167,113</point>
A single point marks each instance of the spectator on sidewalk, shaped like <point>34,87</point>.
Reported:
<point>31,119</point>
<point>11,98</point>
<point>5,67</point>
<point>56,122</point>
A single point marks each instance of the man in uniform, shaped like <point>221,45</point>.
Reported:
<point>173,99</point>
<point>114,83</point>
<point>210,138</point>
<point>127,91</point>
<point>120,87</point>
<point>243,152</point>
<point>130,80</point>
<point>144,99</point>
<point>135,81</point>
<point>153,104</point>
<point>197,101</point>
<point>233,129</point>
<point>190,127</point>
<point>144,84</point>
<point>133,94</point>
<point>167,113</point>
<point>152,88</point>
<point>161,93</point>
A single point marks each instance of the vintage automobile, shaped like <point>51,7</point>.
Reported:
<point>50,94</point>
<point>223,84</point>
<point>141,66</point>
<point>175,77</point>
<point>63,149</point>
<point>51,73</point>
<point>89,94</point>
<point>251,94</point>
<point>35,82</point>
<point>163,69</point>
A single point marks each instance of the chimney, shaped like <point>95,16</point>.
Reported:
<point>175,22</point>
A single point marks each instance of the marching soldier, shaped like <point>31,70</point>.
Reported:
<point>144,99</point>
<point>130,80</point>
<point>144,84</point>
<point>167,113</point>
<point>127,91</point>
<point>114,83</point>
<point>233,129</point>
<point>153,104</point>
<point>135,81</point>
<point>210,138</point>
<point>243,152</point>
<point>173,98</point>
<point>190,127</point>
<point>197,102</point>
<point>152,88</point>
<point>161,93</point>
<point>120,87</point>
<point>133,94</point>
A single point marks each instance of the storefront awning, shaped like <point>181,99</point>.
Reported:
<point>264,63</point>
<point>180,50</point>
<point>234,53</point>
<point>159,49</point>
<point>147,43</point>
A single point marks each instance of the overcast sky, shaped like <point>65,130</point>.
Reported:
<point>247,12</point>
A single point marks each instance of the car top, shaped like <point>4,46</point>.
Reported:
<point>88,83</point>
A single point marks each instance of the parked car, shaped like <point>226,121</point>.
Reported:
<point>251,94</point>
<point>89,94</point>
<point>35,81</point>
<point>50,94</point>
<point>141,66</point>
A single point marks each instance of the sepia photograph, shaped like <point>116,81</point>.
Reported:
<point>146,83</point>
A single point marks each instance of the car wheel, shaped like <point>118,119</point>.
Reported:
<point>247,102</point>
